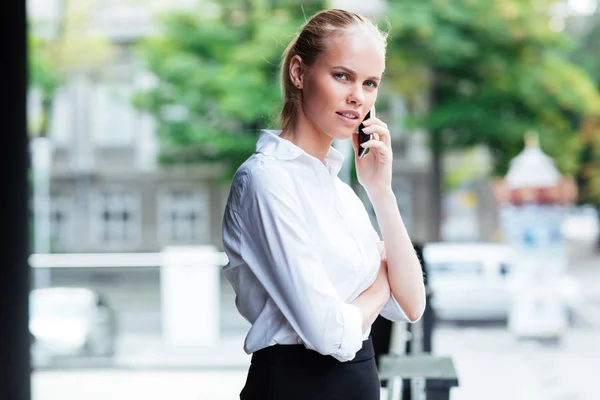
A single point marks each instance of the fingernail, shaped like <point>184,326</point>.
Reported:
<point>367,121</point>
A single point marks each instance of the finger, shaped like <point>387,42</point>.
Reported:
<point>379,146</point>
<point>384,136</point>
<point>382,132</point>
<point>375,121</point>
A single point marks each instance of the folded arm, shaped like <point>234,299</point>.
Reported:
<point>404,268</point>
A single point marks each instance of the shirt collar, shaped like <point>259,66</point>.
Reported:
<point>270,144</point>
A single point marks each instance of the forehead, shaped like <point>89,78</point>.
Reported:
<point>356,50</point>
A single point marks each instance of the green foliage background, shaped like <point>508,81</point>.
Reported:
<point>220,72</point>
<point>489,71</point>
<point>493,70</point>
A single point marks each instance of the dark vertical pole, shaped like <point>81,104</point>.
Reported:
<point>428,318</point>
<point>437,169</point>
<point>14,276</point>
<point>428,321</point>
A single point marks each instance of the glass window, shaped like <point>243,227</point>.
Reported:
<point>183,218</point>
<point>116,219</point>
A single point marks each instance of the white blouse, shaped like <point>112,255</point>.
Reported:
<point>301,248</point>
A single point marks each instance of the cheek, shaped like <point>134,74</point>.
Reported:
<point>317,98</point>
<point>371,98</point>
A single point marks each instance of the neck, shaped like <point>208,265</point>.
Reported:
<point>304,134</point>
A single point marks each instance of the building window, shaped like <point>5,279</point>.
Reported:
<point>183,216</point>
<point>116,219</point>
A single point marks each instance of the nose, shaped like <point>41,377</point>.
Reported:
<point>356,95</point>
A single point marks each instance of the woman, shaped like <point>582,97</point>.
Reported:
<point>309,270</point>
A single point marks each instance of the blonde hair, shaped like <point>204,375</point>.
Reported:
<point>310,43</point>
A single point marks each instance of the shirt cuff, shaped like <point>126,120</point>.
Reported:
<point>352,336</point>
<point>394,312</point>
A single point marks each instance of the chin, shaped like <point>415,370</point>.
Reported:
<point>342,134</point>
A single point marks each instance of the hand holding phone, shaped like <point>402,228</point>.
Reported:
<point>363,137</point>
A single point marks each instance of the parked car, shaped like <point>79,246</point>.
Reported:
<point>469,281</point>
<point>582,225</point>
<point>472,282</point>
<point>70,322</point>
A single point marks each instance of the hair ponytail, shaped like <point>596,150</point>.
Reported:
<point>290,92</point>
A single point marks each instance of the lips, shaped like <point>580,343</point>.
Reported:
<point>351,122</point>
<point>349,114</point>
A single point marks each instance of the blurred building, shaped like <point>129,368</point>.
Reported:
<point>108,194</point>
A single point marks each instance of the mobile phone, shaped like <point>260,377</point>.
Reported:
<point>363,137</point>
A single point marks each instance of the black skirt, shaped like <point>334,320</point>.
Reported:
<point>293,372</point>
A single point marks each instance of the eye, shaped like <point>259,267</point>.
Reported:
<point>341,76</point>
<point>371,84</point>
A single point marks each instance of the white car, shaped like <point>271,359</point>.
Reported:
<point>469,281</point>
<point>472,281</point>
<point>582,225</point>
<point>70,322</point>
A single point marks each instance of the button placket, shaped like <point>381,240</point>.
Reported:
<point>346,216</point>
<point>331,194</point>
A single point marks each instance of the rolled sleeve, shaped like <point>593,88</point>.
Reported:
<point>394,312</point>
<point>352,337</point>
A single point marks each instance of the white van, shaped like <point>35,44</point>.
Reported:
<point>469,281</point>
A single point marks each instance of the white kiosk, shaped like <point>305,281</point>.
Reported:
<point>532,201</point>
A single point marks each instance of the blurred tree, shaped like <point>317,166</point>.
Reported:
<point>585,33</point>
<point>58,47</point>
<point>492,71</point>
<point>45,77</point>
<point>217,70</point>
<point>588,175</point>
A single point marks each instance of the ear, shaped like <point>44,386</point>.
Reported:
<point>297,71</point>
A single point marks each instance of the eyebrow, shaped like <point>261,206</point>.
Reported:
<point>353,73</point>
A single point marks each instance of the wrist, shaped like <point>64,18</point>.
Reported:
<point>381,195</point>
<point>386,293</point>
<point>382,289</point>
